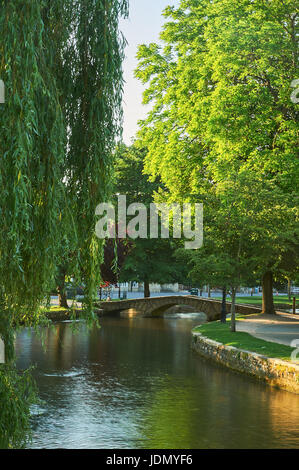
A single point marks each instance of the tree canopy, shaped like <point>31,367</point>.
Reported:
<point>148,260</point>
<point>223,128</point>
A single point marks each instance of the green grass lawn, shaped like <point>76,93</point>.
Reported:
<point>56,308</point>
<point>281,299</point>
<point>221,332</point>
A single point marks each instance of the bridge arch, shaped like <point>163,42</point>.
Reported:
<point>157,306</point>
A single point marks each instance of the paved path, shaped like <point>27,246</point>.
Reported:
<point>280,328</point>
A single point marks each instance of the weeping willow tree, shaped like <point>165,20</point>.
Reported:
<point>61,65</point>
<point>93,116</point>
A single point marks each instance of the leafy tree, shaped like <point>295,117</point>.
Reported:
<point>220,89</point>
<point>148,260</point>
<point>115,253</point>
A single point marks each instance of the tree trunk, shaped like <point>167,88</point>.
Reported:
<point>233,311</point>
<point>62,297</point>
<point>268,303</point>
<point>289,289</point>
<point>209,291</point>
<point>146,289</point>
<point>223,306</point>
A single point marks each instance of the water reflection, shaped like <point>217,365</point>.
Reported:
<point>135,383</point>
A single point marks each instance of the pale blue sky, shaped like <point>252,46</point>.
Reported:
<point>143,26</point>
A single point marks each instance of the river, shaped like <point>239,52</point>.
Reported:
<point>135,383</point>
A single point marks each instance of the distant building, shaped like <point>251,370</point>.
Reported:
<point>138,287</point>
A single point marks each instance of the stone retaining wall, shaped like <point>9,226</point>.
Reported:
<point>277,373</point>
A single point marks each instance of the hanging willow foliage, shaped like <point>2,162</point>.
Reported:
<point>94,117</point>
<point>61,65</point>
<point>17,393</point>
<point>32,138</point>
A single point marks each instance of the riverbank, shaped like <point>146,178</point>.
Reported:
<point>264,360</point>
<point>56,313</point>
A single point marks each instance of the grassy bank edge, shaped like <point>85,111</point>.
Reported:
<point>282,301</point>
<point>221,333</point>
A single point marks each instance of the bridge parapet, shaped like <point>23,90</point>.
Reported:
<point>157,306</point>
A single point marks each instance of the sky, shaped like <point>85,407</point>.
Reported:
<point>143,27</point>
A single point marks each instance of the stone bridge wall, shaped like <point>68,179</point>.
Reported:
<point>157,306</point>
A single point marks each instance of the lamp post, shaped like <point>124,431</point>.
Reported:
<point>2,352</point>
<point>223,306</point>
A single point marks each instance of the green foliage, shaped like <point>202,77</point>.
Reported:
<point>17,393</point>
<point>150,260</point>
<point>32,137</point>
<point>129,179</point>
<point>62,114</point>
<point>93,114</point>
<point>221,93</point>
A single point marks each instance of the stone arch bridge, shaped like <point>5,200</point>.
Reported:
<point>157,306</point>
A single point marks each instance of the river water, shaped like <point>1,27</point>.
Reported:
<point>135,383</point>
